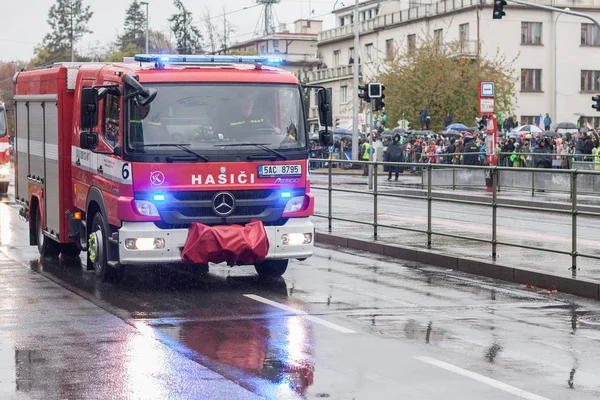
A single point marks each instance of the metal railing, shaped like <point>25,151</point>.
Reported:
<point>493,173</point>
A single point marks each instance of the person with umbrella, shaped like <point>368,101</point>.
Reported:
<point>394,153</point>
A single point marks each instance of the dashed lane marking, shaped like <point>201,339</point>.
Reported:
<point>483,379</point>
<point>300,313</point>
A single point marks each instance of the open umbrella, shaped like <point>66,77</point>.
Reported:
<point>529,128</point>
<point>450,133</point>
<point>551,134</point>
<point>341,131</point>
<point>565,125</point>
<point>457,127</point>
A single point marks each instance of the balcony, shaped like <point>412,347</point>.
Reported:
<point>333,74</point>
<point>461,49</point>
<point>389,20</point>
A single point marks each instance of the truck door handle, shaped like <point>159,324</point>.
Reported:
<point>78,163</point>
<point>100,170</point>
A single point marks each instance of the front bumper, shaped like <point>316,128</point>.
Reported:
<point>175,240</point>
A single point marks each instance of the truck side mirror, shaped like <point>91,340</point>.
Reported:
<point>325,112</point>
<point>325,138</point>
<point>89,108</point>
<point>88,140</point>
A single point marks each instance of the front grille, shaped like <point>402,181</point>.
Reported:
<point>208,195</point>
<point>181,208</point>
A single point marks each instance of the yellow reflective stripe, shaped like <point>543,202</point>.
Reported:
<point>155,123</point>
<point>136,121</point>
<point>238,123</point>
<point>256,121</point>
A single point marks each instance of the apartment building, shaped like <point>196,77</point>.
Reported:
<point>536,39</point>
<point>297,49</point>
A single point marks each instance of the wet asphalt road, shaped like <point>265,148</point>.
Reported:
<point>339,325</point>
<point>540,230</point>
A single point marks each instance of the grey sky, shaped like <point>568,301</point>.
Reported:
<point>23,22</point>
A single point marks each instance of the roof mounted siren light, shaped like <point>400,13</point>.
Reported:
<point>161,59</point>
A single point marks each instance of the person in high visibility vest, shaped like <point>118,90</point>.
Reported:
<point>597,159</point>
<point>250,119</point>
<point>366,150</point>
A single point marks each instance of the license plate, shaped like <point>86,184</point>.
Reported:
<point>268,171</point>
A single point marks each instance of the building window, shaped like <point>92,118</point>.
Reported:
<point>336,58</point>
<point>411,41</point>
<point>276,46</point>
<point>351,55</point>
<point>588,35</point>
<point>390,51</point>
<point>531,33</point>
<point>529,119</point>
<point>262,49</point>
<point>370,14</point>
<point>344,94</point>
<point>531,80</point>
<point>342,21</point>
<point>438,37</point>
<point>369,51</point>
<point>589,81</point>
<point>463,33</point>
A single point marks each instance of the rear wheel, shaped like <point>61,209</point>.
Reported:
<point>271,268</point>
<point>46,246</point>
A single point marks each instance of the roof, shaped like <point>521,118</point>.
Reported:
<point>360,5</point>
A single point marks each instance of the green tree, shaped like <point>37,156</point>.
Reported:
<point>68,20</point>
<point>118,55</point>
<point>443,79</point>
<point>135,27</point>
<point>187,35</point>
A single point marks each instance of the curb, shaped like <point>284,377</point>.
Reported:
<point>578,287</point>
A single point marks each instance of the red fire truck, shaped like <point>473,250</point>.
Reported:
<point>4,152</point>
<point>170,159</point>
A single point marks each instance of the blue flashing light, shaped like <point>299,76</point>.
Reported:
<point>159,197</point>
<point>286,194</point>
<point>174,58</point>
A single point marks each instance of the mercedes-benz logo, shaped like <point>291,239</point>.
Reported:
<point>223,204</point>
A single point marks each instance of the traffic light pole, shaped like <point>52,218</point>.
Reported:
<point>371,148</point>
<point>356,67</point>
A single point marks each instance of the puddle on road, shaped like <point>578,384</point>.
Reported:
<point>276,349</point>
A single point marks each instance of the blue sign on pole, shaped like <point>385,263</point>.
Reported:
<point>487,89</point>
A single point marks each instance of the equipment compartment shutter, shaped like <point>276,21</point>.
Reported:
<point>36,140</point>
<point>22,152</point>
<point>52,178</point>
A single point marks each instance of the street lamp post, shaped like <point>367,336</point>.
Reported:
<point>146,4</point>
<point>555,66</point>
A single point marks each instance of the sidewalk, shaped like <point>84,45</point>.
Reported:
<point>56,344</point>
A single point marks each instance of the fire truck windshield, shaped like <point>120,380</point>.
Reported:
<point>3,129</point>
<point>213,118</point>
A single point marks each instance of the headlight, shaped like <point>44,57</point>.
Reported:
<point>294,204</point>
<point>146,208</point>
<point>145,244</point>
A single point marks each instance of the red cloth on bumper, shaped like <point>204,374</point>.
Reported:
<point>232,243</point>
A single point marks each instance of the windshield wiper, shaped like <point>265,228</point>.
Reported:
<point>262,146</point>
<point>179,146</point>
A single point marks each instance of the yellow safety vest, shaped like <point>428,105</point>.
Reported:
<point>366,147</point>
<point>597,160</point>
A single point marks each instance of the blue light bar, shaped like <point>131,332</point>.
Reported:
<point>159,197</point>
<point>174,58</point>
<point>286,194</point>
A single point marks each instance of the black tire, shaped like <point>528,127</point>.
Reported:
<point>47,247</point>
<point>271,268</point>
<point>103,271</point>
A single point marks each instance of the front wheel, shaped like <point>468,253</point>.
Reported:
<point>98,252</point>
<point>271,268</point>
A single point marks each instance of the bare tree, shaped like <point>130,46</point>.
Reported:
<point>212,36</point>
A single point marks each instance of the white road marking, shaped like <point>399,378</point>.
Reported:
<point>301,313</point>
<point>483,379</point>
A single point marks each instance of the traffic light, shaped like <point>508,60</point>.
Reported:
<point>375,90</point>
<point>364,93</point>
<point>379,103</point>
<point>499,9</point>
<point>597,100</point>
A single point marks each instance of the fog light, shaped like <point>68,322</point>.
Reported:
<point>308,238</point>
<point>145,244</point>
<point>292,239</point>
